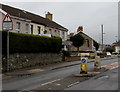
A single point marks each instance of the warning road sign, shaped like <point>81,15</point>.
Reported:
<point>7,18</point>
<point>7,22</point>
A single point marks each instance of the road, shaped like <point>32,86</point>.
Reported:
<point>47,77</point>
<point>106,81</point>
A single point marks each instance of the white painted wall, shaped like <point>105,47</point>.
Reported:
<point>66,33</point>
<point>53,33</point>
<point>117,49</point>
<point>1,19</point>
<point>52,30</point>
<point>35,30</point>
<point>22,26</point>
<point>23,23</point>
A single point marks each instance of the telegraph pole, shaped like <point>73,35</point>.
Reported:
<point>102,36</point>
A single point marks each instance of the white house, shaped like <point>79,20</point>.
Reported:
<point>29,23</point>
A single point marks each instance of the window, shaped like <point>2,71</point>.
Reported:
<point>59,33</point>
<point>50,31</point>
<point>45,32</point>
<point>31,29</point>
<point>18,26</point>
<point>38,28</point>
<point>55,33</point>
<point>27,28</point>
<point>63,35</point>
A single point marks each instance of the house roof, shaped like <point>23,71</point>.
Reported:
<point>33,17</point>
<point>85,35</point>
<point>117,43</point>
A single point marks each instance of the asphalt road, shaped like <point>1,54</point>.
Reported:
<point>106,81</point>
<point>38,79</point>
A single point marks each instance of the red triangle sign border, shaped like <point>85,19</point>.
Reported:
<point>7,16</point>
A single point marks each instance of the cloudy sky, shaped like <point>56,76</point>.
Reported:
<point>90,15</point>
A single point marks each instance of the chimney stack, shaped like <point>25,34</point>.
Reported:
<point>49,16</point>
<point>80,29</point>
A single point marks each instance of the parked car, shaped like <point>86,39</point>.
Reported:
<point>115,53</point>
<point>108,54</point>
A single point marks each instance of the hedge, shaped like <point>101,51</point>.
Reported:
<point>27,43</point>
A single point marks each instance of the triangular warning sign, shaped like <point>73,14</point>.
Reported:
<point>7,18</point>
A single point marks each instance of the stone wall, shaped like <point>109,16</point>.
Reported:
<point>18,61</point>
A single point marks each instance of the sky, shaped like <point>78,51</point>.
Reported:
<point>71,15</point>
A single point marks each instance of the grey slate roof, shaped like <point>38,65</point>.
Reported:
<point>33,17</point>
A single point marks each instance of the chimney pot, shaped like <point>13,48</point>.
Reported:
<point>49,16</point>
<point>80,29</point>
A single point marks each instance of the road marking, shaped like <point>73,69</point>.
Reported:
<point>112,66</point>
<point>35,70</point>
<point>58,84</point>
<point>104,77</point>
<point>73,84</point>
<point>49,82</point>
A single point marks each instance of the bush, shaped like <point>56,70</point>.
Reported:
<point>102,55</point>
<point>110,49</point>
<point>27,43</point>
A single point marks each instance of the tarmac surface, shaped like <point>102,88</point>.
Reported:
<point>55,76</point>
<point>32,70</point>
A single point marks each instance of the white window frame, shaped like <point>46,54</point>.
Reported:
<point>39,29</point>
<point>63,35</point>
<point>27,28</point>
<point>31,28</point>
<point>50,30</point>
<point>59,33</point>
<point>18,25</point>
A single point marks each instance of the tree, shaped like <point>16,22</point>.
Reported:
<point>96,45</point>
<point>110,49</point>
<point>77,40</point>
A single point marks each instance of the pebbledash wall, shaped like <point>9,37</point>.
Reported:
<point>19,60</point>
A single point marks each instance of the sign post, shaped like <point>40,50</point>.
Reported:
<point>7,25</point>
<point>83,65</point>
<point>8,62</point>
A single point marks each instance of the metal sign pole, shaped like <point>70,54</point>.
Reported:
<point>7,24</point>
<point>8,63</point>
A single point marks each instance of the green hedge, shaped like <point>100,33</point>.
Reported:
<point>27,43</point>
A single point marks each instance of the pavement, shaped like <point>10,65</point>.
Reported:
<point>33,70</point>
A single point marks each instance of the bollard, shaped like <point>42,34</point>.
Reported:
<point>97,62</point>
<point>83,65</point>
